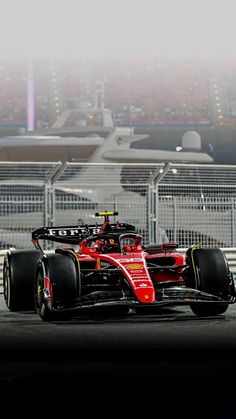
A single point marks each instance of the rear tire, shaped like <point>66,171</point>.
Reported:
<point>63,276</point>
<point>19,269</point>
<point>209,272</point>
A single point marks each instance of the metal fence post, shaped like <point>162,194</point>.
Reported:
<point>49,204</point>
<point>232,224</point>
<point>175,219</point>
<point>152,213</point>
<point>49,194</point>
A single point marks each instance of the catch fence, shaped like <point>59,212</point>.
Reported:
<point>193,203</point>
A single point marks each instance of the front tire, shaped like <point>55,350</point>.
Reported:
<point>209,272</point>
<point>208,309</point>
<point>63,276</point>
<point>18,279</point>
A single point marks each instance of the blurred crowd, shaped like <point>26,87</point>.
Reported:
<point>138,91</point>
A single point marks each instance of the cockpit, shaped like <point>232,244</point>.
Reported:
<point>112,243</point>
<point>130,242</point>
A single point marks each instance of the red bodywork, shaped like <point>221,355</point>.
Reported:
<point>106,265</point>
<point>118,247</point>
<point>132,262</point>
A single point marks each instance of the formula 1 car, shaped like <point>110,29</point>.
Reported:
<point>105,266</point>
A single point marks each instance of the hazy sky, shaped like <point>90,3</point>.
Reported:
<point>117,27</point>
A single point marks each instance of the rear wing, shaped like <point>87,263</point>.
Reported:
<point>75,234</point>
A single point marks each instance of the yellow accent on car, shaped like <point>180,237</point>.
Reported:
<point>38,290</point>
<point>146,297</point>
<point>5,282</point>
<point>196,273</point>
<point>133,266</point>
<point>103,213</point>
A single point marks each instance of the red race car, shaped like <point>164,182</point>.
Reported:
<point>106,267</point>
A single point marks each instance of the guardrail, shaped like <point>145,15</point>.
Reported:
<point>230,254</point>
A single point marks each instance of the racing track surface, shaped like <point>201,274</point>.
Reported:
<point>148,357</point>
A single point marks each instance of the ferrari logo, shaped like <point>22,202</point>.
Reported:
<point>146,297</point>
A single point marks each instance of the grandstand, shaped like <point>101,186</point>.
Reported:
<point>162,98</point>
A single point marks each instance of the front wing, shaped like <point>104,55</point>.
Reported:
<point>177,295</point>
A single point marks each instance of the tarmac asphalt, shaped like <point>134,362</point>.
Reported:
<point>165,357</point>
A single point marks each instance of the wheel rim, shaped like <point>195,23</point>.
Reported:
<point>40,306</point>
<point>39,292</point>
